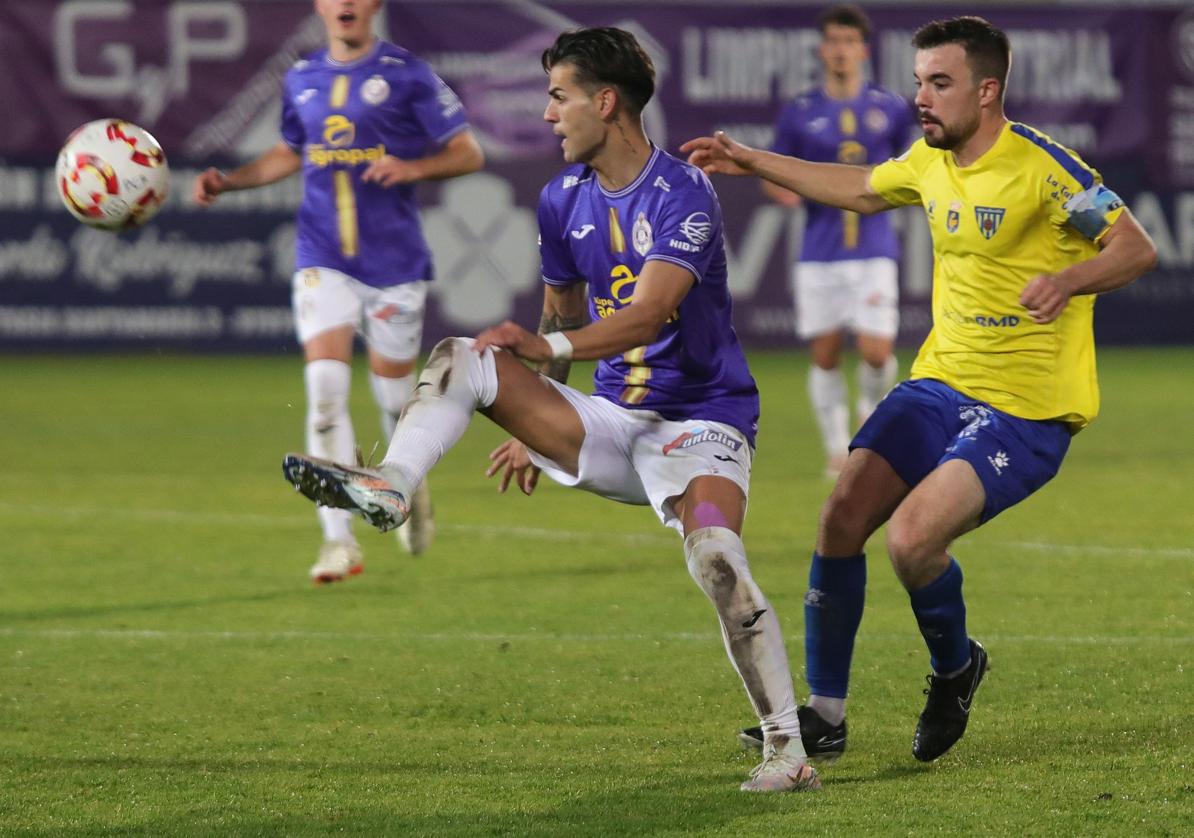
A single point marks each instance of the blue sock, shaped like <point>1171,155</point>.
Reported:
<point>832,612</point>
<point>941,614</point>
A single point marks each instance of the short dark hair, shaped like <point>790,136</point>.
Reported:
<point>606,55</point>
<point>988,51</point>
<point>846,14</point>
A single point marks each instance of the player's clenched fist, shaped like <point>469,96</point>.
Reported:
<point>208,185</point>
<point>719,155</point>
<point>1045,297</point>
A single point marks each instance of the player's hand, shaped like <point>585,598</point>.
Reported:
<point>390,171</point>
<point>514,338</point>
<point>719,155</point>
<point>511,459</point>
<point>208,185</point>
<point>1045,297</point>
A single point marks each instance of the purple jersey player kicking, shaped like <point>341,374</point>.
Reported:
<point>631,241</point>
<point>364,120</point>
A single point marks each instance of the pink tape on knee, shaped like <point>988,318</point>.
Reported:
<point>708,515</point>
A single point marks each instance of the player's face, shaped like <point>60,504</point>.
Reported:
<point>947,97</point>
<point>350,21</point>
<point>575,114</point>
<point>843,50</point>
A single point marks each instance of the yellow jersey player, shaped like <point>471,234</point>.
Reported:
<point>1024,235</point>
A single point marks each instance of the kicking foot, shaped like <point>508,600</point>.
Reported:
<point>365,491</point>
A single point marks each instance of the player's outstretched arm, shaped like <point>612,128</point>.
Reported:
<point>1126,253</point>
<point>278,162</point>
<point>835,184</point>
<point>460,155</point>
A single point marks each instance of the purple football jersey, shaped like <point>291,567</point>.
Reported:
<point>695,369</point>
<point>874,126</point>
<point>341,117</point>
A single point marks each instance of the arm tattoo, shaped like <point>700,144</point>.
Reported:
<point>557,322</point>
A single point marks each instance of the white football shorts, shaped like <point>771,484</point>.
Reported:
<point>861,295</point>
<point>391,319</point>
<point>638,457</point>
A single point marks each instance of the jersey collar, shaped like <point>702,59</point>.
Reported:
<point>348,65</point>
<point>634,184</point>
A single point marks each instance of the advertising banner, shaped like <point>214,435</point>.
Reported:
<point>1115,84</point>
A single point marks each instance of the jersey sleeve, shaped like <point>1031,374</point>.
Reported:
<point>292,125</point>
<point>436,107</point>
<point>555,256</point>
<point>787,133</point>
<point>688,229</point>
<point>1077,196</point>
<point>897,181</point>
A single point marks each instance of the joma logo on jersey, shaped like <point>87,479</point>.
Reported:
<point>691,438</point>
<point>989,219</point>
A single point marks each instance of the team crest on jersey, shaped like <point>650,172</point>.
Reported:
<point>701,435</point>
<point>640,234</point>
<point>989,219</point>
<point>875,120</point>
<point>954,217</point>
<point>375,90</point>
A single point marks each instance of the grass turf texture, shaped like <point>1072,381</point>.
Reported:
<point>548,667</point>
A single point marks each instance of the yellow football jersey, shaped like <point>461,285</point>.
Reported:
<point>1027,207</point>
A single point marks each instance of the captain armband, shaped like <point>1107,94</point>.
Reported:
<point>1088,210</point>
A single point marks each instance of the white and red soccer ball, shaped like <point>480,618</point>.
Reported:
<point>112,174</point>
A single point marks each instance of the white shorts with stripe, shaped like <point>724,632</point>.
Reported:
<point>638,457</point>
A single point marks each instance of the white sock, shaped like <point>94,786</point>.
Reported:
<point>455,382</point>
<point>329,432</point>
<point>750,629</point>
<point>832,710</point>
<point>873,384</point>
<point>827,391</point>
<point>391,395</point>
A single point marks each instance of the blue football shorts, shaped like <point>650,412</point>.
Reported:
<point>921,424</point>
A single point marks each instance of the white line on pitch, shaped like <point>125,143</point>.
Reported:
<point>503,530</point>
<point>548,637</point>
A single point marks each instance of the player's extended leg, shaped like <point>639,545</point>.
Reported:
<point>456,382</point>
<point>393,382</point>
<point>827,393</point>
<point>711,510</point>
<point>946,504</point>
<point>329,434</point>
<point>876,373</point>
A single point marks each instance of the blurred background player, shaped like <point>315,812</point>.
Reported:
<point>365,120</point>
<point>1025,235</point>
<point>846,275</point>
<point>631,239</point>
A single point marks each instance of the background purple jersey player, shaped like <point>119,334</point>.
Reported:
<point>846,275</point>
<point>635,278</point>
<point>364,120</point>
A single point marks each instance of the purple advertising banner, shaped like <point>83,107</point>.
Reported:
<point>1115,84</point>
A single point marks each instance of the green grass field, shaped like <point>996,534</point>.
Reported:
<point>548,668</point>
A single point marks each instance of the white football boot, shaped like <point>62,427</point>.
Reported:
<point>337,560</point>
<point>416,533</point>
<point>783,771</point>
<point>377,495</point>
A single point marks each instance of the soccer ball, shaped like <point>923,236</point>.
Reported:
<point>112,174</point>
